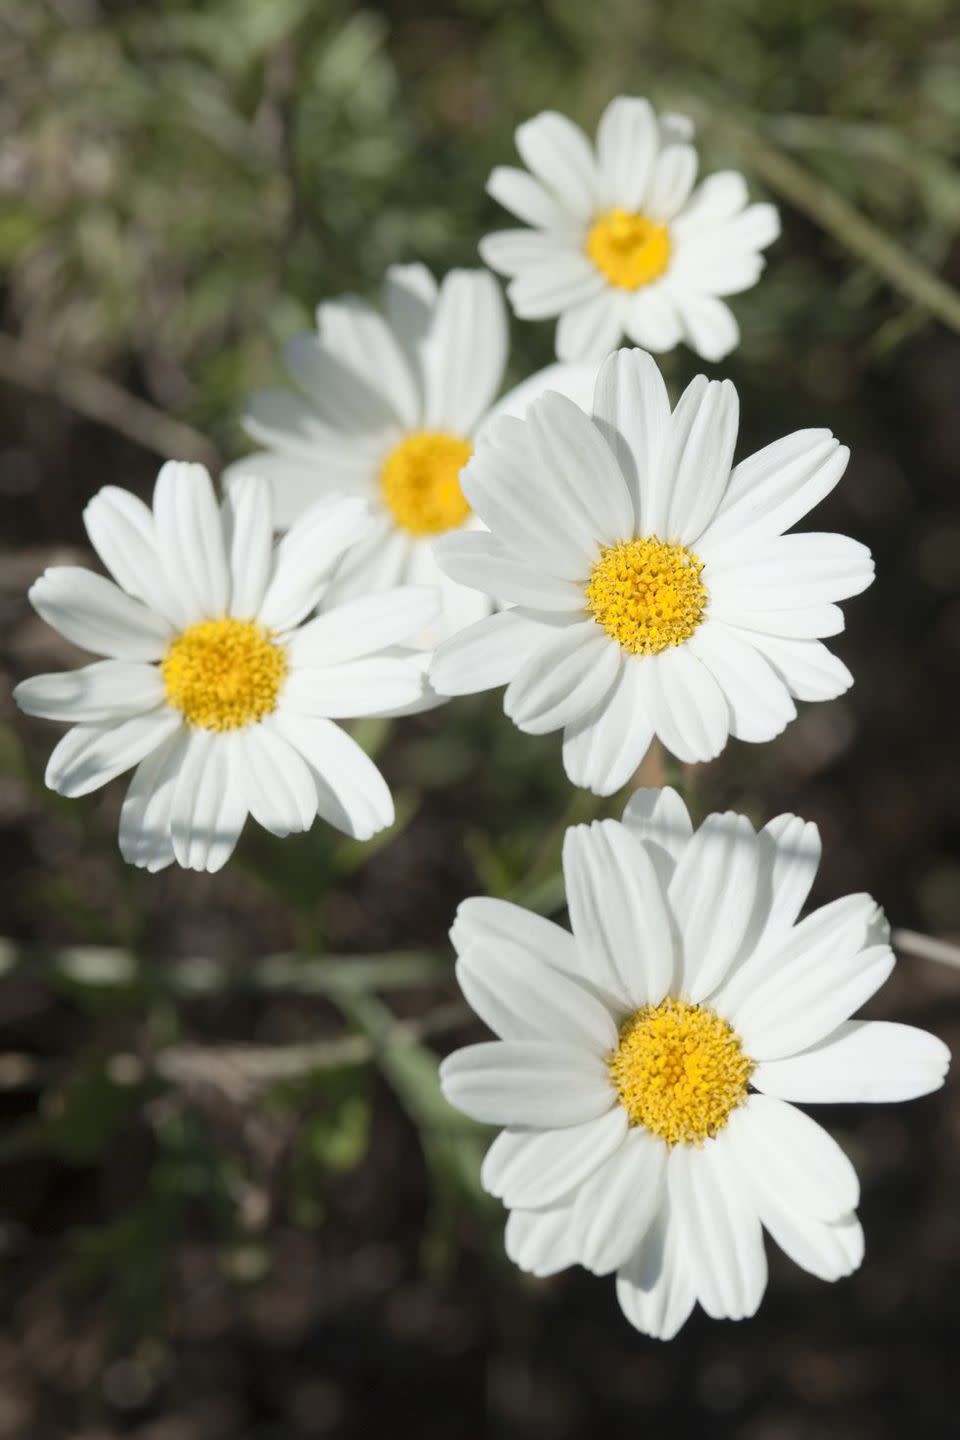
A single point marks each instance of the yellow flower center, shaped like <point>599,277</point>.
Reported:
<point>647,594</point>
<point>223,674</point>
<point>679,1071</point>
<point>629,250</point>
<point>420,480</point>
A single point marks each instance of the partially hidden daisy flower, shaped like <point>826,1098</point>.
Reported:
<point>620,241</point>
<point>389,406</point>
<point>655,591</point>
<point>648,1064</point>
<point>217,686</point>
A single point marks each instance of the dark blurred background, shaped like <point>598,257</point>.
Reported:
<point>232,1206</point>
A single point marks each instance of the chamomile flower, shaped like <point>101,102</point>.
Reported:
<point>648,1064</point>
<point>620,241</point>
<point>389,406</point>
<point>217,686</point>
<point>655,593</point>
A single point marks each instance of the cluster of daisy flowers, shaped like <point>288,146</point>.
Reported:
<point>599,553</point>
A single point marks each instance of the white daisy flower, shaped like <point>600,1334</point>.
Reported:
<point>621,242</point>
<point>216,685</point>
<point>655,591</point>
<point>647,1062</point>
<point>389,406</point>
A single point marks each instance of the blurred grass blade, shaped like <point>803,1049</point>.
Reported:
<point>824,205</point>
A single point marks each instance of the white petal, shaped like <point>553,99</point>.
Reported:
<point>591,329</point>
<point>280,791</point>
<point>654,1288</point>
<point>371,686</point>
<point>789,850</point>
<point>522,998</point>
<point>561,157</point>
<point>709,326</point>
<point>618,911</point>
<point>614,1208</point>
<point>511,252</point>
<point>145,839</point>
<point>702,270</point>
<point>712,894</point>
<point>675,126</point>
<point>703,435</point>
<point>808,668</point>
<point>532,510</point>
<point>661,822</point>
<point>465,353</point>
<point>632,412</point>
<point>844,926</point>
<point>122,532</point>
<point>549,487</point>
<point>287,422</point>
<point>651,320</point>
<point>539,1241</point>
<point>551,286</point>
<point>628,141</point>
<point>458,605</point>
<point>409,302</point>
<point>576,381</point>
<point>357,345</point>
<point>93,613</point>
<point>486,654</point>
<point>685,705</point>
<point>772,490</point>
<point>248,532</point>
<point>296,484</point>
<point>717,199</point>
<point>208,807</point>
<point>674,174</point>
<point>783,1151</point>
<point>106,690</point>
<point>305,556</point>
<point>351,792</point>
<point>573,671</point>
<point>483,920</point>
<point>340,395</point>
<point>533,1168</point>
<point>759,701</point>
<point>719,1233</point>
<point>481,561</point>
<point>861,1061</point>
<point>89,756</point>
<point>756,228</point>
<point>546,1085</point>
<point>573,451</point>
<point>829,1251</point>
<point>190,540</point>
<point>603,748</point>
<point>525,197</point>
<point>803,1003</point>
<point>364,625</point>
<point>794,571</point>
<point>379,560</point>
<point>742,611</point>
<point>340,453</point>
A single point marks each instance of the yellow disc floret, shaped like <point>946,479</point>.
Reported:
<point>223,674</point>
<point>420,481</point>
<point>647,594</point>
<point>629,250</point>
<point>679,1071</point>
